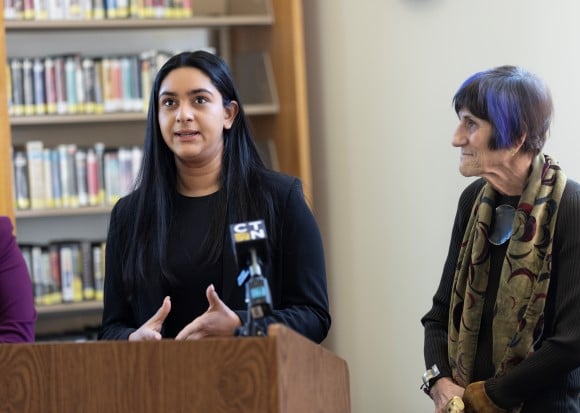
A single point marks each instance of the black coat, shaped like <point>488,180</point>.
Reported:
<point>295,271</point>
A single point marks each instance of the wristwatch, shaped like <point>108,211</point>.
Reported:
<point>429,375</point>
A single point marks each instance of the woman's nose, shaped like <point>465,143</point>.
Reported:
<point>185,113</point>
<point>459,138</point>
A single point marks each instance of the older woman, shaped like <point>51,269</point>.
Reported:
<point>17,311</point>
<point>502,332</point>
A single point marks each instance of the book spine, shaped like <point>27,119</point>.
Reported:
<point>28,86</point>
<point>100,154</point>
<point>55,272</point>
<point>125,171</point>
<point>39,87</point>
<point>47,172</point>
<point>50,86</point>
<point>28,9</point>
<point>77,273</point>
<point>112,183</point>
<point>92,177</point>
<point>81,174</point>
<point>17,86</point>
<point>98,79</point>
<point>66,273</point>
<point>136,160</point>
<point>21,180</point>
<point>79,84</point>
<point>34,154</point>
<point>61,92</point>
<point>125,84</point>
<point>146,79</point>
<point>71,150</point>
<point>37,277</point>
<point>71,85</point>
<point>40,9</point>
<point>48,286</point>
<point>86,254</point>
<point>98,10</point>
<point>56,9</point>
<point>56,179</point>
<point>9,88</point>
<point>135,75</point>
<point>64,176</point>
<point>99,269</point>
<point>88,67</point>
<point>10,10</point>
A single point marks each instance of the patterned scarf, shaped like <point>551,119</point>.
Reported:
<point>524,279</point>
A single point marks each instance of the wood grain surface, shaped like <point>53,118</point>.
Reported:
<point>283,372</point>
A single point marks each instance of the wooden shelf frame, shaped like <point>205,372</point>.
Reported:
<point>130,24</point>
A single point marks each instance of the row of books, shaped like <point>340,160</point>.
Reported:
<point>76,84</point>
<point>96,9</point>
<point>66,271</point>
<point>69,176</point>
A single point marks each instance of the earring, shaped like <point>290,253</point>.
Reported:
<point>513,152</point>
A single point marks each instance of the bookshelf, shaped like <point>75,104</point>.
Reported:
<point>262,40</point>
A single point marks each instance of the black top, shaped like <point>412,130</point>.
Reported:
<point>549,379</point>
<point>295,269</point>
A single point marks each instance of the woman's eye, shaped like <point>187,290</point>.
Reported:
<point>167,102</point>
<point>200,99</point>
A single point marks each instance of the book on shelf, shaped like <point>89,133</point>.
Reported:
<point>65,271</point>
<point>37,258</point>
<point>49,195</point>
<point>71,83</point>
<point>21,192</point>
<point>98,9</point>
<point>28,86</point>
<point>80,157</point>
<point>40,9</point>
<point>88,273</point>
<point>35,157</point>
<point>98,250</point>
<point>73,176</point>
<point>50,94</point>
<point>39,78</point>
<point>17,88</point>
<point>60,85</point>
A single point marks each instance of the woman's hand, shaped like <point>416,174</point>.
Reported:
<point>218,320</point>
<point>442,391</point>
<point>151,330</point>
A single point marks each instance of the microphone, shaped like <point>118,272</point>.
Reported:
<point>250,242</point>
<point>247,237</point>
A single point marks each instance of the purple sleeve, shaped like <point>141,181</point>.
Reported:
<point>17,311</point>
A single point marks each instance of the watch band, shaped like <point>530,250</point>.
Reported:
<point>428,376</point>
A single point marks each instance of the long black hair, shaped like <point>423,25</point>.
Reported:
<point>241,197</point>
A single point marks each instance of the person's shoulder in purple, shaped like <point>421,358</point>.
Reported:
<point>17,311</point>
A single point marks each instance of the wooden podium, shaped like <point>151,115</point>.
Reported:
<point>281,373</point>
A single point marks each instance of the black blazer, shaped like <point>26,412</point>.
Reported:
<point>296,271</point>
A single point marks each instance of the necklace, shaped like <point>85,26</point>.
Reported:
<point>501,224</point>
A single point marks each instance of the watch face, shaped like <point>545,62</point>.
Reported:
<point>430,374</point>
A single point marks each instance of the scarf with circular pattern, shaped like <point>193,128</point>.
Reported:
<point>524,279</point>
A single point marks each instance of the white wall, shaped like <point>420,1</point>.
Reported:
<point>381,76</point>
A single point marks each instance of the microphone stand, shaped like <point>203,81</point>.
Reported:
<point>258,299</point>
